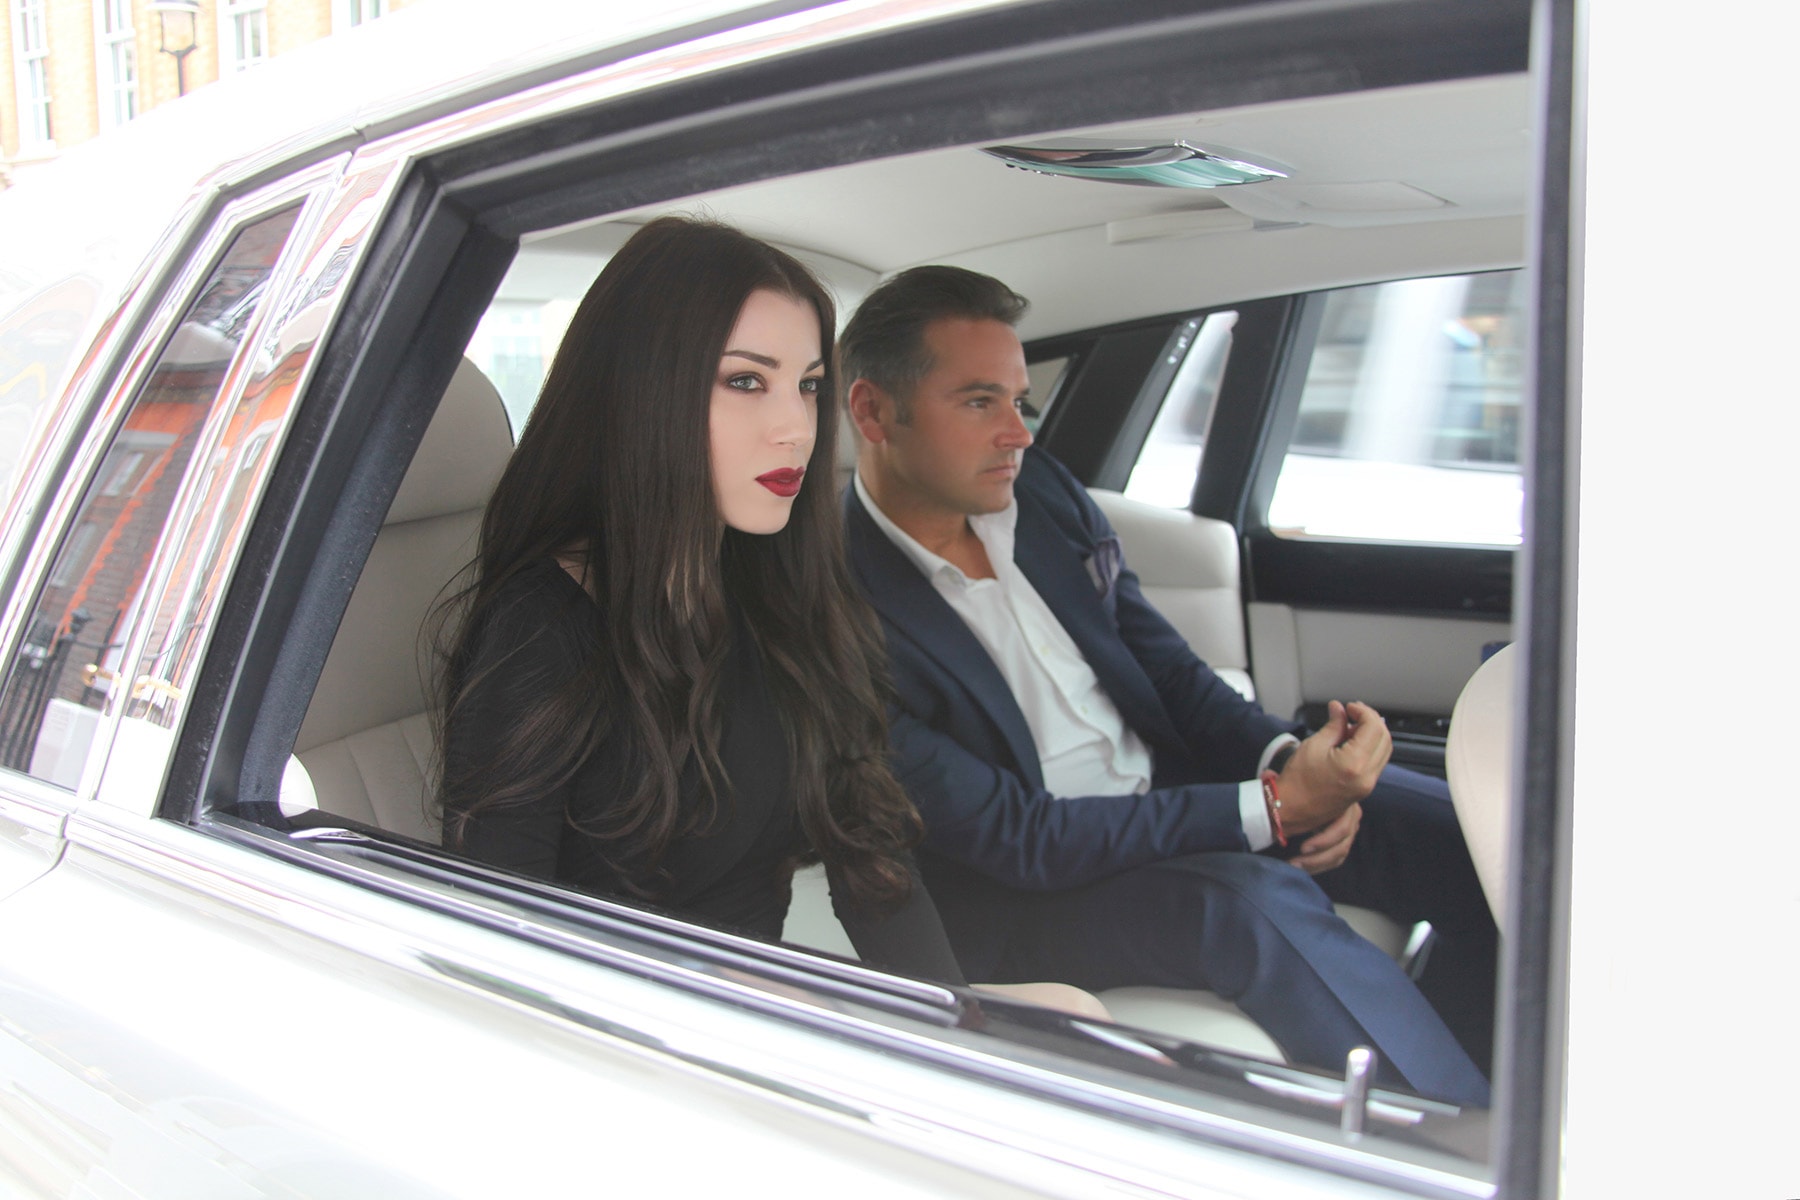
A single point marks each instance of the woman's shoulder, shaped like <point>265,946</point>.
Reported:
<point>539,599</point>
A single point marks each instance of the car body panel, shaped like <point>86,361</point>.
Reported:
<point>192,1006</point>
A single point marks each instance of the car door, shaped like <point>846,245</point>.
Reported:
<point>324,1004</point>
<point>1364,443</point>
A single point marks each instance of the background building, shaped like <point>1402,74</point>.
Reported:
<point>72,69</point>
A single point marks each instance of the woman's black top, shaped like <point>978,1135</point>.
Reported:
<point>734,873</point>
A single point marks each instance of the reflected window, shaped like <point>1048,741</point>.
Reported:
<point>1408,429</point>
<point>116,51</point>
<point>351,13</point>
<point>244,33</point>
<point>31,73</point>
<point>66,667</point>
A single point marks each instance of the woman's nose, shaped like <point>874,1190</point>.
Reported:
<point>796,418</point>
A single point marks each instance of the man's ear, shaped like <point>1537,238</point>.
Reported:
<point>869,408</point>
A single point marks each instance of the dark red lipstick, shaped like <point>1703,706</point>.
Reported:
<point>785,482</point>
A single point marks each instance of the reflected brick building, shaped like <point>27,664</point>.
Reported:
<point>72,69</point>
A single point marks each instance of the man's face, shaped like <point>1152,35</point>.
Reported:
<point>960,450</point>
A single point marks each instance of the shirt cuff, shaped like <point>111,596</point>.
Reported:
<point>1255,815</point>
<point>1252,810</point>
<point>1282,739</point>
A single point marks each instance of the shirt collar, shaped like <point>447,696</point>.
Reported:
<point>994,529</point>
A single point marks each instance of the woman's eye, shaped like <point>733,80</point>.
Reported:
<point>744,383</point>
<point>811,386</point>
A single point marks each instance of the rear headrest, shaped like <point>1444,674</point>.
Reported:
<point>462,455</point>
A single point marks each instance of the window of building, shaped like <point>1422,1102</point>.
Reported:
<point>347,14</point>
<point>116,57</point>
<point>243,33</point>
<point>31,69</point>
<point>1411,405</point>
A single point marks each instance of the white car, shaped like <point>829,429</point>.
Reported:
<point>1466,361</point>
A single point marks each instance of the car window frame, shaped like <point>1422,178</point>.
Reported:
<point>432,236</point>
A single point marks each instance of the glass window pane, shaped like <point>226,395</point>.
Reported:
<point>1046,378</point>
<point>64,669</point>
<point>1409,422</point>
<point>1169,463</point>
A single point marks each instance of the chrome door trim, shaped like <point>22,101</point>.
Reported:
<point>37,815</point>
<point>491,959</point>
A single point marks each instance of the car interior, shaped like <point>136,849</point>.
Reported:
<point>1423,181</point>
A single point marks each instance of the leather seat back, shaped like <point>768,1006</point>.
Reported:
<point>1188,569</point>
<point>1478,759</point>
<point>367,740</point>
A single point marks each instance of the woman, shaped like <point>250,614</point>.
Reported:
<point>663,685</point>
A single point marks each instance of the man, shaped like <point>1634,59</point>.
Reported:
<point>1094,796</point>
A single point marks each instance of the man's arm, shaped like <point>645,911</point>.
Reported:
<point>1231,737</point>
<point>991,820</point>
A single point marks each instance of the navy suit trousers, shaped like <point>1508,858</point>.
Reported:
<point>1263,934</point>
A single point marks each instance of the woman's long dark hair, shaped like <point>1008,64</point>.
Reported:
<point>614,463</point>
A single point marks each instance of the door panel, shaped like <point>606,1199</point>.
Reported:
<point>1403,665</point>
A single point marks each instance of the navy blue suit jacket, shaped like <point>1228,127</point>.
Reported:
<point>964,752</point>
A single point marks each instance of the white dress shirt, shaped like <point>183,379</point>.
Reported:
<point>1083,744</point>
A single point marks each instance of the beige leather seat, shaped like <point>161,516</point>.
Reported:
<point>366,742</point>
<point>1187,567</point>
<point>1479,761</point>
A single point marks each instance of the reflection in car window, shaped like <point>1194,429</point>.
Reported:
<point>1409,422</point>
<point>1169,463</point>
<point>65,667</point>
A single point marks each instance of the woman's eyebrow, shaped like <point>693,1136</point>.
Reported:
<point>765,360</point>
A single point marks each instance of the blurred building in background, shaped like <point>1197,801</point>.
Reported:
<point>72,69</point>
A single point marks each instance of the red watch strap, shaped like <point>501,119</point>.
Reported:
<point>1272,802</point>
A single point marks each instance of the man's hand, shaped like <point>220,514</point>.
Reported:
<point>1334,768</point>
<point>1330,846</point>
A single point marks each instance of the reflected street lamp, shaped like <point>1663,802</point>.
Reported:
<point>177,33</point>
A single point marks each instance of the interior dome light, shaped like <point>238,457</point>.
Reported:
<point>1171,164</point>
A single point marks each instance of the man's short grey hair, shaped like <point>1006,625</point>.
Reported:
<point>885,341</point>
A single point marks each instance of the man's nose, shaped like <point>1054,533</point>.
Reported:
<point>1015,434</point>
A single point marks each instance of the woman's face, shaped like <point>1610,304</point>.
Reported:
<point>765,411</point>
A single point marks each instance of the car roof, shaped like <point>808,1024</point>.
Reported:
<point>1408,175</point>
<point>378,78</point>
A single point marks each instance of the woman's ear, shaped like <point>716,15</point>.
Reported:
<point>870,407</point>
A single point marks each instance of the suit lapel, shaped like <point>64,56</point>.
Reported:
<point>1055,569</point>
<point>912,606</point>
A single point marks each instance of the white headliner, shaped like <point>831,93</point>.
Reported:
<point>1465,143</point>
